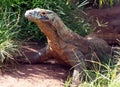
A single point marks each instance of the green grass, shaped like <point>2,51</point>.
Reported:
<point>100,78</point>
<point>8,32</point>
<point>108,3</point>
<point>106,75</point>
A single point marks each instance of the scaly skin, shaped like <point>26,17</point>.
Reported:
<point>66,46</point>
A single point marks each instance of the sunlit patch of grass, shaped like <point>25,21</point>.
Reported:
<point>67,82</point>
<point>106,75</point>
<point>102,78</point>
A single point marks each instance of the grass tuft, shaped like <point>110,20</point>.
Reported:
<point>106,75</point>
<point>8,31</point>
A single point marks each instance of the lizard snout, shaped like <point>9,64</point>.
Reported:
<point>28,13</point>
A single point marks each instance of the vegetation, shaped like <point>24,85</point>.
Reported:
<point>106,75</point>
<point>104,3</point>
<point>8,31</point>
<point>98,3</point>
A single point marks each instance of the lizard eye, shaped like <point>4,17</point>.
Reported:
<point>43,13</point>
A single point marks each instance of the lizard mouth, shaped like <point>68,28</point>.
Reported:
<point>44,18</point>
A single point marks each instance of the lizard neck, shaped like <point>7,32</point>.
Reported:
<point>47,29</point>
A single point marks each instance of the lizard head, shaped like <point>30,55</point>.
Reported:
<point>38,14</point>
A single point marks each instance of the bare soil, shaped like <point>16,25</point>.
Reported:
<point>42,75</point>
<point>49,74</point>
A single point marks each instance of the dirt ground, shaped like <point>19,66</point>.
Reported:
<point>41,75</point>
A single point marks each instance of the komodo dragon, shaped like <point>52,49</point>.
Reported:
<point>65,45</point>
